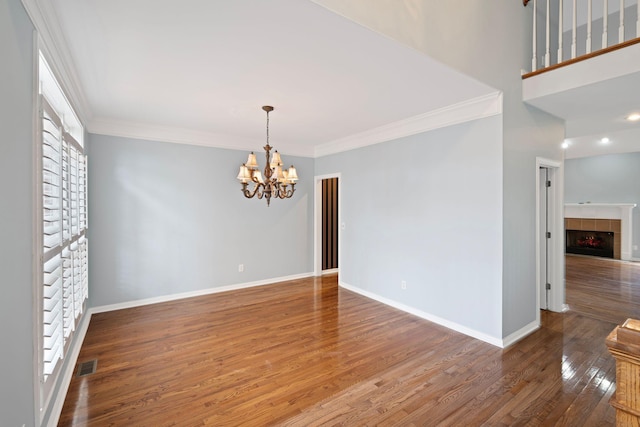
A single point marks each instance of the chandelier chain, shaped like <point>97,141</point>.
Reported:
<point>267,127</point>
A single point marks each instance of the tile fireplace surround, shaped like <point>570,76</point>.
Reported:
<point>614,217</point>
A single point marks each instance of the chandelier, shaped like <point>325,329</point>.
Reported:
<point>277,182</point>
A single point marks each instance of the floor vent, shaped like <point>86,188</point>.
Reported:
<point>87,368</point>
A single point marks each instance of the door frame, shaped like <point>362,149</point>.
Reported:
<point>317,223</point>
<point>556,248</point>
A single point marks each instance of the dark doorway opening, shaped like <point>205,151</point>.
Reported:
<point>329,224</point>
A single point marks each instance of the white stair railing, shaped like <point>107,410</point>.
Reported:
<point>569,27</point>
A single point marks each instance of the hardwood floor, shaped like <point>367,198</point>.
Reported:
<point>307,353</point>
<point>602,288</point>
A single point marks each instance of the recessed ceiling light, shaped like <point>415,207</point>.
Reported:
<point>565,145</point>
<point>633,117</point>
<point>605,140</point>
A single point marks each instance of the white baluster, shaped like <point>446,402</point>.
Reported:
<point>638,20</point>
<point>605,22</point>
<point>546,52</point>
<point>621,28</point>
<point>573,32</point>
<point>560,32</point>
<point>534,61</point>
<point>589,17</point>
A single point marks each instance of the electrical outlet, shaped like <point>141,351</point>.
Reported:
<point>403,285</point>
<point>635,247</point>
<point>240,268</point>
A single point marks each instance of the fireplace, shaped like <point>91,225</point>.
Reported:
<point>608,217</point>
<point>595,243</point>
<point>593,234</point>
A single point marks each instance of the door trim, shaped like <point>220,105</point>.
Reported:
<point>556,248</point>
<point>317,223</point>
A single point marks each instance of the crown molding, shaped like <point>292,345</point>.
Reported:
<point>476,108</point>
<point>179,135</point>
<point>52,42</point>
<point>472,109</point>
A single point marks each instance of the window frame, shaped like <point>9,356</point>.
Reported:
<point>70,247</point>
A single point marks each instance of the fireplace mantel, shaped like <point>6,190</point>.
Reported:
<point>621,211</point>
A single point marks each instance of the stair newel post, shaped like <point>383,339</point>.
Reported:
<point>624,345</point>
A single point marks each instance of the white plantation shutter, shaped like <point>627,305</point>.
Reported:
<point>53,341</point>
<point>82,192</point>
<point>51,179</point>
<point>67,292</point>
<point>52,196</point>
<point>64,244</point>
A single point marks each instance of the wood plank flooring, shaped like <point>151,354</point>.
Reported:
<point>307,353</point>
<point>603,288</point>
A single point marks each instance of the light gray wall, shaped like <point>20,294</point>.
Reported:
<point>503,28</point>
<point>170,218</point>
<point>16,174</point>
<point>490,41</point>
<point>614,178</point>
<point>427,209</point>
<point>528,133</point>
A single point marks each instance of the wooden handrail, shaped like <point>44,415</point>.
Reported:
<point>583,57</point>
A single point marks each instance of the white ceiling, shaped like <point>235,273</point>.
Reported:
<point>198,71</point>
<point>594,97</point>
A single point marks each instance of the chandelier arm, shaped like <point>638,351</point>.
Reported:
<point>293,189</point>
<point>249,194</point>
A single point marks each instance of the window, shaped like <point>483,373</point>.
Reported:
<point>62,174</point>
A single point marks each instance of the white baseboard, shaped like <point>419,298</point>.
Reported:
<point>330,271</point>
<point>520,334</point>
<point>208,291</point>
<point>430,317</point>
<point>74,351</point>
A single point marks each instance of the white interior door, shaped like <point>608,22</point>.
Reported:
<point>544,237</point>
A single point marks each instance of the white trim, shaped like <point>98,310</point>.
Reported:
<point>520,334</point>
<point>36,250</point>
<point>53,44</point>
<point>179,135</point>
<point>430,317</point>
<point>317,223</point>
<point>330,271</point>
<point>67,374</point>
<point>208,291</point>
<point>556,259</point>
<point>472,109</point>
